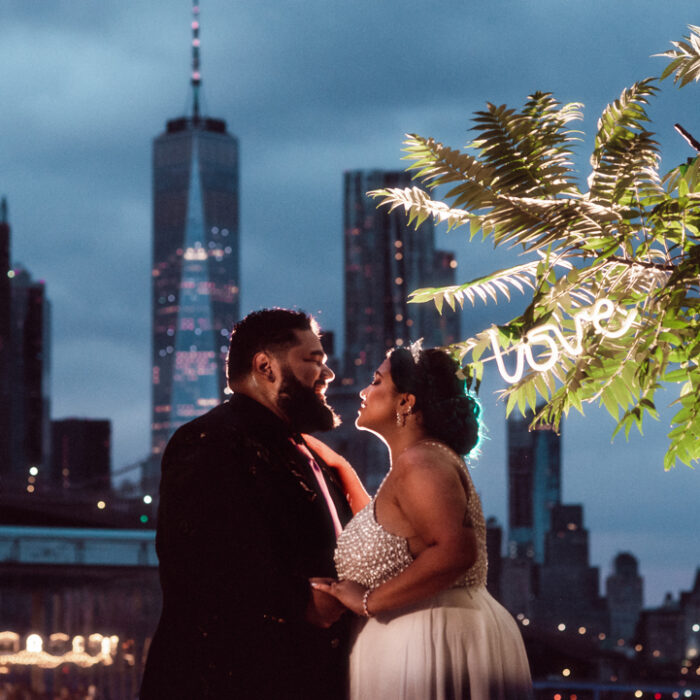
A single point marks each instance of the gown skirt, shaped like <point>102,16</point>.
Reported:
<point>459,644</point>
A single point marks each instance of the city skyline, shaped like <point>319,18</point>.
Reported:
<point>310,91</point>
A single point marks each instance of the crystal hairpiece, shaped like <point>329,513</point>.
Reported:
<point>415,349</point>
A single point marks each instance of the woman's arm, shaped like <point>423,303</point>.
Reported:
<point>431,496</point>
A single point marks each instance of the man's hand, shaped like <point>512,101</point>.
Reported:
<point>323,609</point>
<point>349,593</point>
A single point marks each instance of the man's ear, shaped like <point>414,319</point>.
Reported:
<point>262,367</point>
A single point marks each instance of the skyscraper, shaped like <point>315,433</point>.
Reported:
<point>534,486</point>
<point>29,380</point>
<point>567,586</point>
<point>385,260</point>
<point>195,262</point>
<point>81,454</point>
<point>5,303</point>
<point>625,596</point>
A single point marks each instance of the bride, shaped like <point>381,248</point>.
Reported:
<point>412,563</point>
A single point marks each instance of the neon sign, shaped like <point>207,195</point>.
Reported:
<point>602,310</point>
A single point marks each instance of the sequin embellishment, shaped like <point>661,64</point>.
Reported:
<point>368,554</point>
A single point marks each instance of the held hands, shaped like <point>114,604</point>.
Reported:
<point>323,609</point>
<point>349,593</point>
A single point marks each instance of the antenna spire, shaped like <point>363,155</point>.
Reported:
<point>3,211</point>
<point>196,75</point>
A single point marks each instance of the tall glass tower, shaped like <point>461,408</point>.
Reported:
<point>386,259</point>
<point>5,326</point>
<point>195,262</point>
<point>534,485</point>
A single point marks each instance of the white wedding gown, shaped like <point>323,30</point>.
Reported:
<point>458,644</point>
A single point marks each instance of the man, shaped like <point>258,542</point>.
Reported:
<point>246,516</point>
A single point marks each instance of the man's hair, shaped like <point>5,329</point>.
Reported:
<point>271,330</point>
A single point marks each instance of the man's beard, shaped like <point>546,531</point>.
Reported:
<point>305,409</point>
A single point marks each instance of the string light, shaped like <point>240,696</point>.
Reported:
<point>34,655</point>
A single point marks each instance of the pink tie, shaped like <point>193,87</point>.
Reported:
<point>322,485</point>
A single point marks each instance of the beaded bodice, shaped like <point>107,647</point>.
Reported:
<point>368,554</point>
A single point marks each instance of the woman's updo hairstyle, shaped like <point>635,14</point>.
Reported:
<point>449,413</point>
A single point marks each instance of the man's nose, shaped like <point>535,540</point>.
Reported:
<point>327,374</point>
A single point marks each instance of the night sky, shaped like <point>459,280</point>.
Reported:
<point>312,88</point>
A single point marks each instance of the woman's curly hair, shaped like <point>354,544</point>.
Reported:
<point>450,414</point>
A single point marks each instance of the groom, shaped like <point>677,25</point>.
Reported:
<point>247,514</point>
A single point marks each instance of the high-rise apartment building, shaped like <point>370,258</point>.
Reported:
<point>385,260</point>
<point>567,586</point>
<point>81,454</point>
<point>625,596</point>
<point>534,486</point>
<point>5,325</point>
<point>195,262</point>
<point>29,381</point>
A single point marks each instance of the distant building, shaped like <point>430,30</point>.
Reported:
<point>29,382</point>
<point>81,454</point>
<point>196,264</point>
<point>494,543</point>
<point>661,632</point>
<point>534,486</point>
<point>625,597</point>
<point>567,586</point>
<point>385,260</point>
<point>5,326</point>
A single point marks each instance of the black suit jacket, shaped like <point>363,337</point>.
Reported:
<point>241,528</point>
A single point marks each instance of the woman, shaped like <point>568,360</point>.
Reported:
<point>413,561</point>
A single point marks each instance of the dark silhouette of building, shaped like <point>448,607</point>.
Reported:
<point>81,454</point>
<point>385,260</point>
<point>567,586</point>
<point>494,545</point>
<point>670,634</point>
<point>29,382</point>
<point>660,631</point>
<point>534,485</point>
<point>5,326</point>
<point>625,596</point>
<point>195,262</point>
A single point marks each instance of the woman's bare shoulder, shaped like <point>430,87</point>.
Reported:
<point>427,461</point>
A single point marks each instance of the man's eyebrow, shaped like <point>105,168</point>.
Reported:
<point>320,353</point>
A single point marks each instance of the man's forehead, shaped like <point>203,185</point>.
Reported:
<point>309,342</point>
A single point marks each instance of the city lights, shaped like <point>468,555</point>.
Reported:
<point>34,655</point>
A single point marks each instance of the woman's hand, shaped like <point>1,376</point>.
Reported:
<point>349,593</point>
